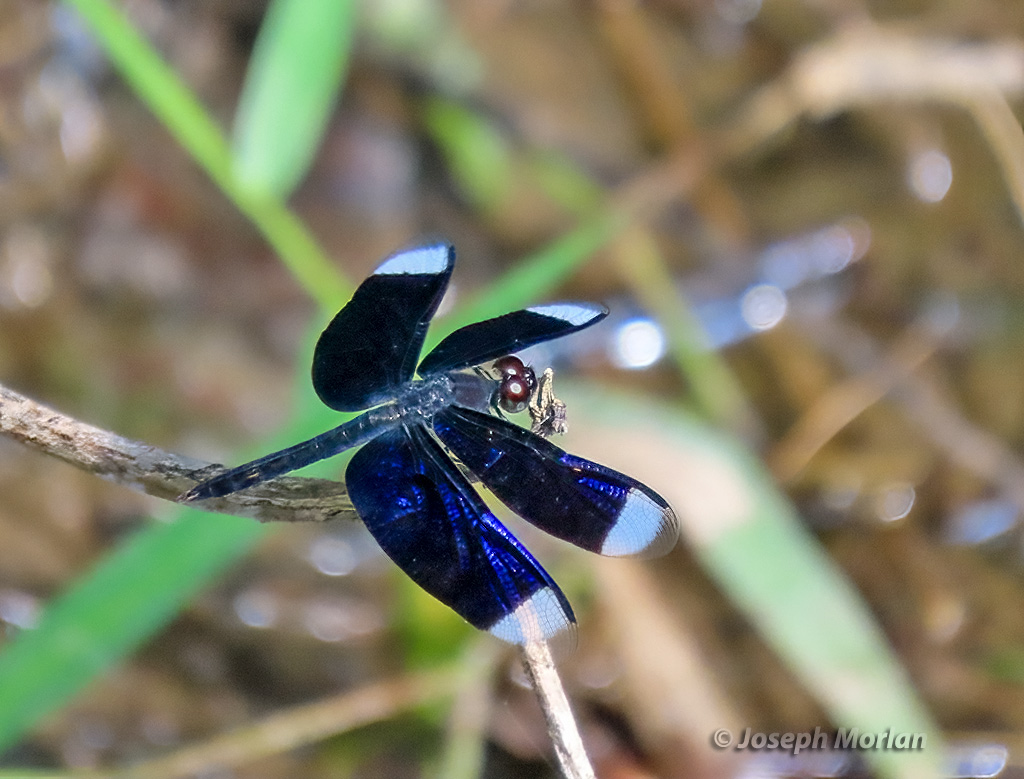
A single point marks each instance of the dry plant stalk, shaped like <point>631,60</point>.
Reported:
<point>159,473</point>
<point>565,735</point>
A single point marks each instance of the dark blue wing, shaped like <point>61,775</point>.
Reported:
<point>594,507</point>
<point>481,342</point>
<point>431,522</point>
<point>370,348</point>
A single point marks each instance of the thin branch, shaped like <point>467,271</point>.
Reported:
<point>159,473</point>
<point>565,734</point>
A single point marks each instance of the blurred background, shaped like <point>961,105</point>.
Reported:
<point>806,219</point>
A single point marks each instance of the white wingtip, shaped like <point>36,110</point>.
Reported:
<point>423,260</point>
<point>644,526</point>
<point>576,314</point>
<point>539,618</point>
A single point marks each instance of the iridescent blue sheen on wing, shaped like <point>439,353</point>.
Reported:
<point>431,522</point>
<point>589,505</point>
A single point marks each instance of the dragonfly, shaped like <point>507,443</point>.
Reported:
<point>420,414</point>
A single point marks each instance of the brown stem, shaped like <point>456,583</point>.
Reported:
<point>159,473</point>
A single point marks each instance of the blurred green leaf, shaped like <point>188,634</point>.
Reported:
<point>179,110</point>
<point>476,152</point>
<point>290,87</point>
<point>534,277</point>
<point>565,182</point>
<point>107,613</point>
<point>425,36</point>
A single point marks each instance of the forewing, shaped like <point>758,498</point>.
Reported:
<point>577,500</point>
<point>481,342</point>
<point>431,522</point>
<point>370,348</point>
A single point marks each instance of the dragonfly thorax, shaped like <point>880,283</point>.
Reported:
<point>425,397</point>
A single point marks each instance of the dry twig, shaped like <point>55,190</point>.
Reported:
<point>159,473</point>
<point>565,734</point>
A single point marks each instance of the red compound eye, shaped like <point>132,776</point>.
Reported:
<point>517,384</point>
<point>509,366</point>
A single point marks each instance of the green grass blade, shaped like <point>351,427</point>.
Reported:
<point>290,87</point>
<point>538,274</point>
<point>110,611</point>
<point>151,78</point>
<point>179,110</point>
<point>476,152</point>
